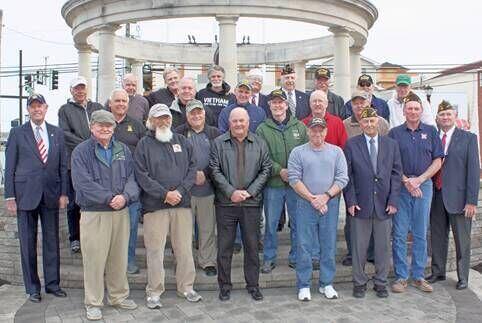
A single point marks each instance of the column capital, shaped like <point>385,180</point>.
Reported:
<point>356,49</point>
<point>107,28</point>
<point>339,31</point>
<point>227,19</point>
<point>86,48</point>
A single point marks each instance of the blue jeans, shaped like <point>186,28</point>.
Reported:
<point>274,199</point>
<point>309,221</point>
<point>413,215</point>
<point>134,212</point>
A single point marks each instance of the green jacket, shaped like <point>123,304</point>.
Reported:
<point>280,144</point>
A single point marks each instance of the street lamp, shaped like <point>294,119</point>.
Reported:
<point>428,91</point>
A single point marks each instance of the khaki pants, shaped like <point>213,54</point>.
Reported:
<point>203,209</point>
<point>177,222</point>
<point>104,237</point>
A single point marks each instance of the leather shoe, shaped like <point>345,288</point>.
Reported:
<point>57,293</point>
<point>381,291</point>
<point>210,271</point>
<point>461,285</point>
<point>256,294</point>
<point>359,291</point>
<point>224,295</point>
<point>35,298</point>
<point>435,278</point>
<point>346,261</point>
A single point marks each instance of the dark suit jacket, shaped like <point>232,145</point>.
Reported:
<point>26,177</point>
<point>371,191</point>
<point>460,172</point>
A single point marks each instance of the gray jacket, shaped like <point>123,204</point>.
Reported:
<point>223,164</point>
<point>162,167</point>
<point>74,121</point>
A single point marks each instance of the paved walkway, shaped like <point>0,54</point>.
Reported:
<point>445,304</point>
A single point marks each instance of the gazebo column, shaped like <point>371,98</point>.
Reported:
<point>342,61</point>
<point>136,69</point>
<point>106,72</point>
<point>355,65</point>
<point>228,56</point>
<point>85,68</point>
<point>300,71</point>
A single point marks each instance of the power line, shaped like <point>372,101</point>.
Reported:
<point>37,38</point>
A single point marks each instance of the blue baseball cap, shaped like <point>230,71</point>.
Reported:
<point>36,97</point>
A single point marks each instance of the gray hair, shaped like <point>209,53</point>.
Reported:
<point>115,91</point>
<point>169,70</point>
<point>128,76</point>
<point>320,93</point>
<point>255,73</point>
<point>215,68</point>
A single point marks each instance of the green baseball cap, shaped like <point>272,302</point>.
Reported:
<point>403,79</point>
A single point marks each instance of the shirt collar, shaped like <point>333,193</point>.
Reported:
<point>419,128</point>
<point>42,126</point>
<point>367,138</point>
<point>450,132</point>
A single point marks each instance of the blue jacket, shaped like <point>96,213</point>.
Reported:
<point>27,178</point>
<point>96,182</point>
<point>373,191</point>
<point>380,105</point>
<point>256,116</point>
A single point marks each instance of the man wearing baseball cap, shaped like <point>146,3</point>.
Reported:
<point>166,171</point>
<point>297,100</point>
<point>317,172</point>
<point>395,104</point>
<point>74,120</point>
<point>104,183</point>
<point>365,83</point>
<point>335,102</point>
<point>243,94</point>
<point>201,136</point>
<point>36,187</point>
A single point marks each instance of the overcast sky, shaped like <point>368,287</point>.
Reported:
<point>407,32</point>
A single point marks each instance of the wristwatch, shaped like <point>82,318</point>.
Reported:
<point>329,195</point>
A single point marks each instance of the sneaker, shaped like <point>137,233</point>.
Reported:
<point>422,285</point>
<point>304,294</point>
<point>132,269</point>
<point>316,264</point>
<point>328,291</point>
<point>153,302</point>
<point>93,313</point>
<point>399,286</point>
<point>127,304</point>
<point>267,267</point>
<point>75,246</point>
<point>381,291</point>
<point>191,296</point>
<point>359,291</point>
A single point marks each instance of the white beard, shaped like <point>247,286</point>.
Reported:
<point>163,134</point>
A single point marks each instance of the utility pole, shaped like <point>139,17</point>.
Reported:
<point>20,87</point>
<point>1,25</point>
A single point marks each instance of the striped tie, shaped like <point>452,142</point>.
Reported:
<point>41,145</point>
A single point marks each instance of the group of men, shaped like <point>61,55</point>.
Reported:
<point>206,164</point>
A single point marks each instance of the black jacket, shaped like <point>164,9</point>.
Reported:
<point>74,120</point>
<point>223,169</point>
<point>214,102</point>
<point>164,166</point>
<point>162,95</point>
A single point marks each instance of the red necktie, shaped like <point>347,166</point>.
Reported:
<point>438,175</point>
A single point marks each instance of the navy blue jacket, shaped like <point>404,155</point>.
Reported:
<point>373,191</point>
<point>96,182</point>
<point>380,105</point>
<point>27,178</point>
<point>256,116</point>
<point>302,105</point>
<point>460,172</point>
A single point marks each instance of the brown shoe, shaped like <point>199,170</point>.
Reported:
<point>423,285</point>
<point>399,286</point>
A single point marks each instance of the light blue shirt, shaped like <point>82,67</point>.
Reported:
<point>367,138</point>
<point>43,133</point>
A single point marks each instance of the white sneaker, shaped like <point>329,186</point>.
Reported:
<point>93,313</point>
<point>191,296</point>
<point>329,292</point>
<point>304,294</point>
<point>153,302</point>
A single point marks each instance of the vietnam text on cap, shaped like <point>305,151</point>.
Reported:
<point>322,72</point>
<point>317,122</point>
<point>158,110</point>
<point>278,93</point>
<point>365,78</point>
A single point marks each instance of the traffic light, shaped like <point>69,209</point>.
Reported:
<point>55,79</point>
<point>28,80</point>
<point>39,78</point>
